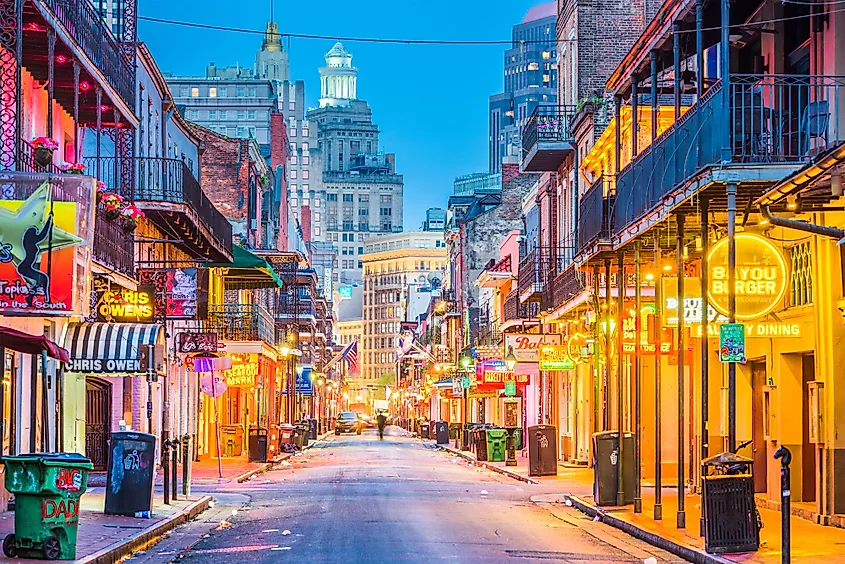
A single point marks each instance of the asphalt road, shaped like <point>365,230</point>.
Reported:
<point>356,499</point>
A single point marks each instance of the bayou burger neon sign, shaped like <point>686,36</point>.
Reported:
<point>761,276</point>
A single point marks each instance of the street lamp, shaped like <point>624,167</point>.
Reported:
<point>510,362</point>
<point>464,433</point>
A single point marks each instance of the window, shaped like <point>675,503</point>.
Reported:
<point>291,132</point>
<point>305,174</point>
<point>331,197</point>
<point>224,114</point>
<point>184,91</point>
<point>306,159</point>
<point>305,188</point>
<point>348,197</point>
<point>305,146</point>
<point>360,250</point>
<point>241,132</point>
<point>291,105</point>
<point>250,92</point>
<point>223,92</point>
<point>546,55</point>
<point>294,202</point>
<point>360,264</point>
<point>363,212</point>
<point>231,131</point>
<point>386,211</point>
<point>317,231</point>
<point>305,132</point>
<point>293,174</point>
<point>241,91</point>
<point>293,159</point>
<point>212,92</point>
<point>316,215</point>
<point>293,147</point>
<point>212,114</point>
<point>241,114</point>
<point>352,237</point>
<point>292,188</point>
<point>316,203</point>
<point>195,92</point>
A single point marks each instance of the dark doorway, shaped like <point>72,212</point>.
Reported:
<point>808,449</point>
<point>97,421</point>
<point>758,433</point>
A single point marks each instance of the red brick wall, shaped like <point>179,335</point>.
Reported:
<point>305,222</point>
<point>279,154</point>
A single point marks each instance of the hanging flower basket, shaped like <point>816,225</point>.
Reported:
<point>44,148</point>
<point>129,225</point>
<point>131,214</point>
<point>101,189</point>
<point>113,204</point>
<point>73,168</point>
<point>112,215</point>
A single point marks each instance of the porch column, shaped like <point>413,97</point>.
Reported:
<point>620,387</point>
<point>699,76</point>
<point>655,107</point>
<point>676,63</point>
<point>657,338</point>
<point>682,516</point>
<point>596,361</point>
<point>51,75</point>
<point>731,311</point>
<point>635,118</point>
<point>725,53</point>
<point>638,502</point>
<point>76,147</point>
<point>618,148</point>
<point>99,92</point>
<point>606,382</point>
<point>705,338</point>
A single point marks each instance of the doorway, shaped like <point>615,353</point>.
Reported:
<point>758,433</point>
<point>97,421</point>
<point>808,449</point>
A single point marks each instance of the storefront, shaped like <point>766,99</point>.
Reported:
<point>498,396</point>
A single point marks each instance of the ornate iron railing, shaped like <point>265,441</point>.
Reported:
<point>238,322</point>
<point>546,124</point>
<point>514,310</point>
<point>113,247</point>
<point>595,219</point>
<point>565,286</point>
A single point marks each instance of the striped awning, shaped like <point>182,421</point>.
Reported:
<point>109,348</point>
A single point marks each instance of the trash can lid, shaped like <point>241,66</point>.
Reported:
<point>604,435</point>
<point>133,436</point>
<point>726,458</point>
<point>73,459</point>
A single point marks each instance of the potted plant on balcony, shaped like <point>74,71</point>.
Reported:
<point>132,214</point>
<point>44,148</point>
<point>72,168</point>
<point>113,204</point>
<point>101,190</point>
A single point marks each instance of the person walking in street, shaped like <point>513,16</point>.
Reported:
<point>382,420</point>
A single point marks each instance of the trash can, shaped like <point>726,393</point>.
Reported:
<point>730,515</point>
<point>287,437</point>
<point>273,442</point>
<point>480,440</point>
<point>442,432</point>
<point>302,430</point>
<point>454,430</point>
<point>518,439</point>
<point>232,439</point>
<point>432,430</point>
<point>131,471</point>
<point>314,428</point>
<point>496,442</point>
<point>257,444</point>
<point>605,469</point>
<point>542,450</point>
<point>424,432</point>
<point>47,489</point>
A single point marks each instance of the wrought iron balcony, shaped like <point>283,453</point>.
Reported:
<point>564,287</point>
<point>546,139</point>
<point>171,196</point>
<point>489,333</point>
<point>538,268</point>
<point>113,247</point>
<point>238,322</point>
<point>595,219</point>
<point>514,310</point>
<point>770,119</point>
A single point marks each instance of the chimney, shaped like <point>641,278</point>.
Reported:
<point>278,140</point>
<point>305,223</point>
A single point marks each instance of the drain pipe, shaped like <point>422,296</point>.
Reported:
<point>821,230</point>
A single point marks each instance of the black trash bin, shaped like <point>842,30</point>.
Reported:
<point>432,430</point>
<point>131,469</point>
<point>424,429</point>
<point>606,471</point>
<point>442,432</point>
<point>730,514</point>
<point>304,428</point>
<point>542,450</point>
<point>314,428</point>
<point>258,444</point>
<point>479,438</point>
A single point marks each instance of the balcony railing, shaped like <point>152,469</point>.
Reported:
<point>537,269</point>
<point>565,286</point>
<point>162,180</point>
<point>546,139</point>
<point>595,220</point>
<point>775,119</point>
<point>240,322</point>
<point>489,333</point>
<point>514,310</point>
<point>90,32</point>
<point>113,247</point>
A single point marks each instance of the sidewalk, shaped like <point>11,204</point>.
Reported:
<point>104,539</point>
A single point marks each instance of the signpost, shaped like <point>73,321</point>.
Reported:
<point>465,382</point>
<point>732,342</point>
<point>510,389</point>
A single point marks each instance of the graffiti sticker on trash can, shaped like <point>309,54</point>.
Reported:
<point>62,510</point>
<point>69,479</point>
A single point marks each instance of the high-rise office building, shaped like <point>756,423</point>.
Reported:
<point>530,80</point>
<point>363,192</point>
<point>435,220</point>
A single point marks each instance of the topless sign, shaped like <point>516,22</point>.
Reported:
<point>37,254</point>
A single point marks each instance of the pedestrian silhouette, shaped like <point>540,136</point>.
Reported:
<point>35,278</point>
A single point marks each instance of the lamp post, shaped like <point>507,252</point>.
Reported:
<point>510,362</point>
<point>463,432</point>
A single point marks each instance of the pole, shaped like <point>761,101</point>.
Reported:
<point>731,313</point>
<point>638,501</point>
<point>699,72</point>
<point>165,467</point>
<point>620,388</point>
<point>186,464</point>
<point>45,417</point>
<point>725,58</point>
<point>681,515</point>
<point>175,445</point>
<point>785,457</point>
<point>676,63</point>
<point>705,336</point>
<point>150,378</point>
<point>217,426</point>
<point>596,359</point>
<point>655,107</point>
<point>605,395</point>
<point>658,360</point>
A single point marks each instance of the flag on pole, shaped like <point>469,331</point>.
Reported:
<point>351,356</point>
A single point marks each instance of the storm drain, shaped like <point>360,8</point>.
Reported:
<point>569,556</point>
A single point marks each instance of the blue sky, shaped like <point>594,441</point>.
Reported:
<point>429,101</point>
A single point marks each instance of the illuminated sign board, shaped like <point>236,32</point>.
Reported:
<point>244,371</point>
<point>761,276</point>
<point>127,305</point>
<point>526,347</point>
<point>491,377</point>
<point>555,358</point>
<point>345,292</point>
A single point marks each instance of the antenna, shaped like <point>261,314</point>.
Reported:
<point>271,10</point>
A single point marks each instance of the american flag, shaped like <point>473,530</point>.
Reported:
<point>351,356</point>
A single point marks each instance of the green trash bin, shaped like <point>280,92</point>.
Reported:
<point>47,490</point>
<point>496,444</point>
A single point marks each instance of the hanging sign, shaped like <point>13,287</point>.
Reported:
<point>761,276</point>
<point>555,357</point>
<point>526,346</point>
<point>732,342</point>
<point>510,389</point>
<point>197,342</point>
<point>213,385</point>
<point>127,306</point>
<point>457,389</point>
<point>244,371</point>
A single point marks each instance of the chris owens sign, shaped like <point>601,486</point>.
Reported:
<point>526,347</point>
<point>127,305</point>
<point>761,276</point>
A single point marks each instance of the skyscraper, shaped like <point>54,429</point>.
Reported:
<point>530,79</point>
<point>363,192</point>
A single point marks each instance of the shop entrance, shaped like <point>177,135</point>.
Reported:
<point>758,433</point>
<point>97,421</point>
<point>808,449</point>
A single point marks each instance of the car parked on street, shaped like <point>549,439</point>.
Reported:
<point>347,422</point>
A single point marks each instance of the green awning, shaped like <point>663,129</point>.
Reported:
<point>248,271</point>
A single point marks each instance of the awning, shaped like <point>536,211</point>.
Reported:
<point>31,344</point>
<point>109,348</point>
<point>821,165</point>
<point>247,271</point>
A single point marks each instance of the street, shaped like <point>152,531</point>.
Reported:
<point>358,499</point>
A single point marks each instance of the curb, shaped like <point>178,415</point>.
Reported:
<point>488,466</point>
<point>119,550</point>
<point>255,471</point>
<point>689,554</point>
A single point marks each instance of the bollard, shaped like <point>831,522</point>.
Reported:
<point>785,495</point>
<point>510,460</point>
<point>174,469</point>
<point>165,467</point>
<point>186,465</point>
